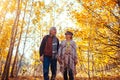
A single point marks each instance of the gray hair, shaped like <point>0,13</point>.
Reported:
<point>52,28</point>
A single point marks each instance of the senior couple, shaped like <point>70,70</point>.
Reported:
<point>65,53</point>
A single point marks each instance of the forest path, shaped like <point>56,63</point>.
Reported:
<point>59,78</point>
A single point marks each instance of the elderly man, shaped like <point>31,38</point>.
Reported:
<point>48,53</point>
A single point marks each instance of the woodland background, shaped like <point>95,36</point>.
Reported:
<point>96,28</point>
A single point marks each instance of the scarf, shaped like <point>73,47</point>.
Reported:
<point>54,47</point>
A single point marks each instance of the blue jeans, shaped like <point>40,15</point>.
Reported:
<point>49,62</point>
<point>68,72</point>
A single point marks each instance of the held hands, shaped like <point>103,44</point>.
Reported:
<point>41,58</point>
<point>76,61</point>
<point>59,60</point>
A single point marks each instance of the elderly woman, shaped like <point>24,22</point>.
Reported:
<point>67,57</point>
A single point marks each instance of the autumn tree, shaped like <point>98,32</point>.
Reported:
<point>100,19</point>
<point>5,74</point>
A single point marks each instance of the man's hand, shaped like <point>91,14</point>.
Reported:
<point>76,62</point>
<point>41,58</point>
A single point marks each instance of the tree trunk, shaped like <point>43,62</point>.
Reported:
<point>1,28</point>
<point>14,66</point>
<point>0,68</point>
<point>24,41</point>
<point>88,54</point>
<point>5,74</point>
<point>93,67</point>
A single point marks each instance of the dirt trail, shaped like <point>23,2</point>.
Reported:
<point>59,78</point>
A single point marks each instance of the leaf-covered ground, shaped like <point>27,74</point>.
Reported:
<point>59,78</point>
